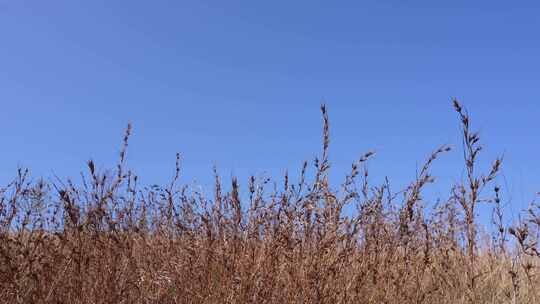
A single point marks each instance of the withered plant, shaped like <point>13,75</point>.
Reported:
<point>107,239</point>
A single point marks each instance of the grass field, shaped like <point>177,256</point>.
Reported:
<point>106,239</point>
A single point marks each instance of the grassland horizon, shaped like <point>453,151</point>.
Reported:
<point>108,239</point>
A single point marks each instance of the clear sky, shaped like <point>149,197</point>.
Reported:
<point>238,84</point>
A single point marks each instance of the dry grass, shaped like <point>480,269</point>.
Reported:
<point>108,240</point>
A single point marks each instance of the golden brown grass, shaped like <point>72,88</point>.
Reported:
<point>109,240</point>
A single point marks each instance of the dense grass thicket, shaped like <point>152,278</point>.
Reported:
<point>106,239</point>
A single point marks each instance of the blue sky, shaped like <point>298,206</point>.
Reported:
<point>238,84</point>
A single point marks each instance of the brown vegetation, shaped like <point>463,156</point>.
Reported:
<point>107,240</point>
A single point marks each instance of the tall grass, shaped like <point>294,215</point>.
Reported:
<point>106,239</point>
